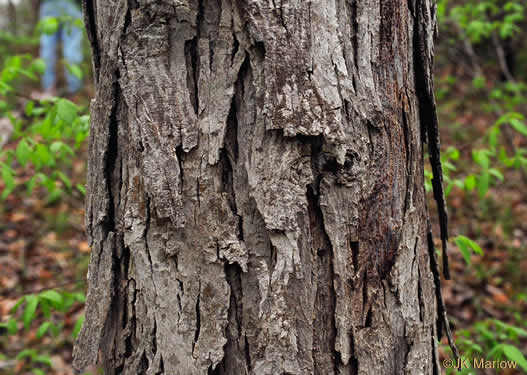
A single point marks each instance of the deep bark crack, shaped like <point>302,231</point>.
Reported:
<point>324,321</point>
<point>198,318</point>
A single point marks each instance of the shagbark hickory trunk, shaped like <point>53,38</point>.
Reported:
<point>255,193</point>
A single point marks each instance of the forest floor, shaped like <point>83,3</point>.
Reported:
<point>493,288</point>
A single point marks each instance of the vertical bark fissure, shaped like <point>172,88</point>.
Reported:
<point>324,324</point>
<point>161,367</point>
<point>179,154</point>
<point>419,281</point>
<point>355,36</point>
<point>366,305</point>
<point>409,147</point>
<point>355,248</point>
<point>112,154</point>
<point>90,12</point>
<point>235,47</point>
<point>198,317</point>
<point>236,339</point>
<point>280,14</point>
<point>192,62</point>
<point>420,295</point>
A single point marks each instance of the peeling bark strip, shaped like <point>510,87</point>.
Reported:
<point>255,188</point>
<point>423,51</point>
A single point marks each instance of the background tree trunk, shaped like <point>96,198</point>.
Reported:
<point>255,192</point>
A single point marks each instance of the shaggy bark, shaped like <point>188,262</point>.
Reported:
<point>255,193</point>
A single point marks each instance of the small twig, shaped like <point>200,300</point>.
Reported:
<point>501,58</point>
<point>469,50</point>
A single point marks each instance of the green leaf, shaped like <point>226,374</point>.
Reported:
<point>79,297</point>
<point>30,310</point>
<point>45,307</point>
<point>78,23</point>
<point>448,189</point>
<point>17,305</point>
<point>56,146</point>
<point>78,326</point>
<point>66,111</point>
<point>64,179</point>
<point>507,30</point>
<point>9,181</point>
<point>519,126</point>
<point>481,157</point>
<point>55,195</point>
<point>483,184</point>
<point>48,25</point>
<point>516,331</point>
<point>41,156</point>
<point>466,246</point>
<point>75,70</point>
<point>23,152</point>
<point>459,183</point>
<point>478,82</point>
<point>39,66</point>
<point>29,108</point>
<point>81,188</point>
<point>12,326</point>
<point>506,118</point>
<point>470,182</point>
<point>43,329</point>
<point>31,353</point>
<point>55,331</point>
<point>43,359</point>
<point>68,301</point>
<point>4,88</point>
<point>48,182</point>
<point>52,296</point>
<point>452,153</point>
<point>448,166</point>
<point>38,371</point>
<point>30,184</point>
<point>473,245</point>
<point>494,134</point>
<point>514,354</point>
<point>502,155</point>
<point>28,74</point>
<point>496,351</point>
<point>496,173</point>
<point>463,248</point>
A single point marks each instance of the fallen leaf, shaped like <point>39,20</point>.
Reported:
<point>84,247</point>
<point>17,217</point>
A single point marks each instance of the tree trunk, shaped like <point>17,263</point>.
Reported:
<point>255,193</point>
<point>11,14</point>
